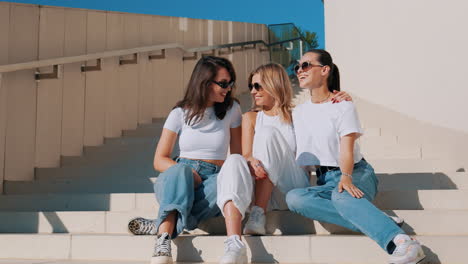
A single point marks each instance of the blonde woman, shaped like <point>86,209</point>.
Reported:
<point>268,145</point>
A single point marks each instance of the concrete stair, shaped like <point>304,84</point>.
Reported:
<point>78,213</point>
<point>418,222</point>
<point>64,261</point>
<point>190,248</point>
<point>122,179</point>
<point>386,200</point>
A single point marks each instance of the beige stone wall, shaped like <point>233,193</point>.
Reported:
<point>42,121</point>
<point>405,56</point>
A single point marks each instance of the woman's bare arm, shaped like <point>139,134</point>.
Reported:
<point>162,157</point>
<point>248,131</point>
<point>347,166</point>
<point>235,145</point>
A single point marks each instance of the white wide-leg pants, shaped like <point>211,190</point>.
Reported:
<point>236,184</point>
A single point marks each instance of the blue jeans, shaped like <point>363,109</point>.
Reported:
<point>325,203</point>
<point>174,189</point>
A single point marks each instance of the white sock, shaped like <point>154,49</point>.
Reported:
<point>259,208</point>
<point>237,241</point>
<point>400,238</point>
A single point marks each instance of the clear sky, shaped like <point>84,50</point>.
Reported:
<point>307,14</point>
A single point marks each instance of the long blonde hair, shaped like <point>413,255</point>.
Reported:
<point>275,82</point>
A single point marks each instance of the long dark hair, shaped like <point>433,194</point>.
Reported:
<point>325,59</point>
<point>198,89</point>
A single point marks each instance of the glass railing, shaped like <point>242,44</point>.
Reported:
<point>287,54</point>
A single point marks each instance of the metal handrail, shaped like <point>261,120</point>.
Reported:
<point>82,58</point>
<point>281,24</point>
<point>107,54</point>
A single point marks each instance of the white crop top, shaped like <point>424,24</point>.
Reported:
<point>286,130</point>
<point>319,128</point>
<point>208,139</point>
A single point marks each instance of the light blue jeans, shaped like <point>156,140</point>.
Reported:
<point>174,189</point>
<point>325,203</point>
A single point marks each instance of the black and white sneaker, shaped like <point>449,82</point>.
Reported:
<point>142,226</point>
<point>162,250</point>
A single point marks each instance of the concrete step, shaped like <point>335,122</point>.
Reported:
<point>422,199</point>
<point>145,136</point>
<point>391,152</point>
<point>138,169</point>
<point>454,151</point>
<point>118,152</point>
<point>140,179</point>
<point>189,248</point>
<point>121,146</point>
<point>126,141</point>
<point>114,154</point>
<point>415,165</point>
<point>127,159</point>
<point>78,202</point>
<point>372,132</point>
<point>111,154</point>
<point>382,141</point>
<point>146,130</point>
<point>55,261</point>
<point>419,222</point>
<point>387,200</point>
<point>279,222</point>
<point>423,181</point>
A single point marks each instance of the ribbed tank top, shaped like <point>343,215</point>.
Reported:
<point>286,130</point>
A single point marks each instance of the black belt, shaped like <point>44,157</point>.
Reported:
<point>324,169</point>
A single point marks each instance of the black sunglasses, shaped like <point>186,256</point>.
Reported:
<point>305,66</point>
<point>224,85</point>
<point>255,86</point>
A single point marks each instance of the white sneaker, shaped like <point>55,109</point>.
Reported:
<point>407,251</point>
<point>235,251</point>
<point>256,223</point>
<point>162,250</point>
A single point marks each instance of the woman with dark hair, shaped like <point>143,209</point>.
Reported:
<point>208,122</point>
<point>326,136</point>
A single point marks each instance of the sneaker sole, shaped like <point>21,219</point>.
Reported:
<point>419,260</point>
<point>161,260</point>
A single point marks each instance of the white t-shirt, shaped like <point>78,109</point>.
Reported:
<point>318,129</point>
<point>208,139</point>
<point>286,130</point>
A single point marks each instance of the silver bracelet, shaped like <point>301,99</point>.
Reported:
<point>347,174</point>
